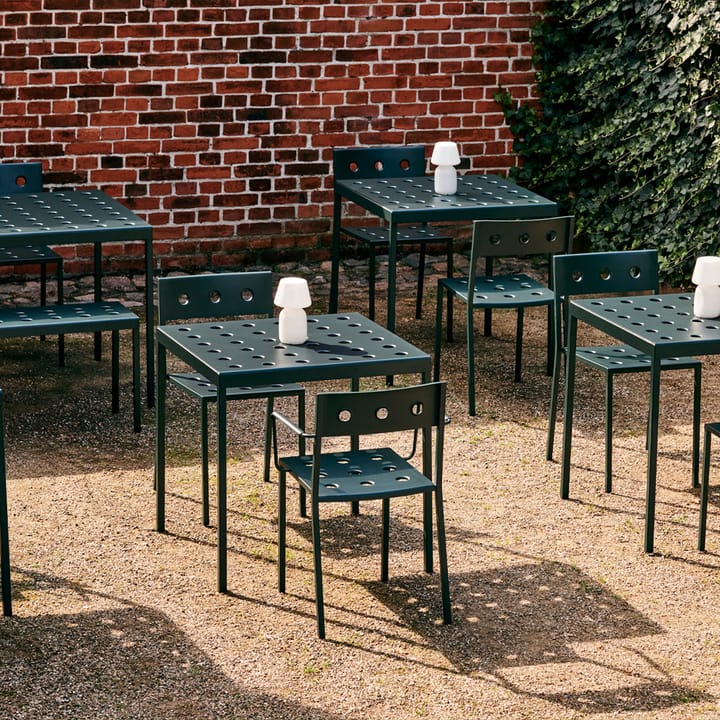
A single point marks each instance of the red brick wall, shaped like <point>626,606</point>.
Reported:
<point>216,119</point>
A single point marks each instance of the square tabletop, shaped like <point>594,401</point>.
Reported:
<point>661,325</point>
<point>248,352</point>
<point>66,218</point>
<point>413,199</point>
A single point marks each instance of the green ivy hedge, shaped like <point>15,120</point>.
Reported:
<point>627,134</point>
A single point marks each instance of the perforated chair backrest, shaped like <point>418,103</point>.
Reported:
<point>377,162</point>
<point>605,273</point>
<point>380,411</point>
<point>518,238</point>
<point>216,295</point>
<point>20,178</point>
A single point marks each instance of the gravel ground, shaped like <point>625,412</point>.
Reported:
<point>558,612</point>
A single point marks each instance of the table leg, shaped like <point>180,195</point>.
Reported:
<point>4,531</point>
<point>335,267</point>
<point>652,444</point>
<point>149,322</point>
<point>160,442</point>
<point>569,402</point>
<point>222,490</point>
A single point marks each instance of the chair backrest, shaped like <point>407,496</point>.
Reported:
<point>20,178</point>
<point>392,410</point>
<point>215,295</point>
<point>378,162</point>
<point>603,273</point>
<point>519,238</point>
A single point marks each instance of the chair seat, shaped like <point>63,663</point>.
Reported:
<point>626,359</point>
<point>501,291</point>
<point>28,254</point>
<point>359,475</point>
<point>200,388</point>
<point>379,235</point>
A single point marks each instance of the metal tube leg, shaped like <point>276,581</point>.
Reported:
<point>704,489</point>
<point>222,490</point>
<point>652,455</point>
<point>160,441</point>
<point>569,402</point>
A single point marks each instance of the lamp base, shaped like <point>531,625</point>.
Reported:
<point>445,180</point>
<point>706,303</point>
<point>292,326</point>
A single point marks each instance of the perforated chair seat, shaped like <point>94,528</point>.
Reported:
<point>380,235</point>
<point>359,475</point>
<point>626,359</point>
<point>501,291</point>
<point>200,388</point>
<point>28,255</point>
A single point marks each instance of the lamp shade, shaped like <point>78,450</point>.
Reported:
<point>707,271</point>
<point>292,293</point>
<point>445,153</point>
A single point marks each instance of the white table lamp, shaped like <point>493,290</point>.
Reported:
<point>445,155</point>
<point>292,296</point>
<point>706,276</point>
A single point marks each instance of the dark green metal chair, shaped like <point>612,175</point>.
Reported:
<point>203,297</point>
<point>4,540</point>
<point>369,474</point>
<point>26,177</point>
<point>487,291</point>
<point>710,430</point>
<point>602,274</point>
<point>360,163</point>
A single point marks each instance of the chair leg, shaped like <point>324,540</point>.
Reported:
<point>385,552</point>
<point>319,602</point>
<point>704,489</point>
<point>371,283</point>
<point>282,519</point>
<point>697,388</point>
<point>5,578</point>
<point>115,371</point>
<point>552,419</point>
<point>421,283</point>
<point>518,344</point>
<point>205,451</point>
<point>438,331</point>
<point>442,558</point>
<point>471,359</point>
<point>427,532</point>
<point>302,495</point>
<point>608,431</point>
<point>43,288</point>
<point>550,340</point>
<point>450,270</point>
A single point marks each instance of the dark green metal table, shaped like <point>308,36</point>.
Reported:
<point>661,326</point>
<point>247,352</point>
<point>413,200</point>
<point>78,217</point>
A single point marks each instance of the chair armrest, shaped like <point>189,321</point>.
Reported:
<point>293,427</point>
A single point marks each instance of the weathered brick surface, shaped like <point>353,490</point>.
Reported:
<point>215,119</point>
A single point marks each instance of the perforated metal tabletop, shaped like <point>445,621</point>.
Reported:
<point>244,352</point>
<point>76,217</point>
<point>660,325</point>
<point>413,200</point>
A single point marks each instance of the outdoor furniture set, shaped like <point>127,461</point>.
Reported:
<point>243,357</point>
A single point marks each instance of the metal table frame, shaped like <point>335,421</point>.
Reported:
<point>247,352</point>
<point>78,217</point>
<point>661,326</point>
<point>413,200</point>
